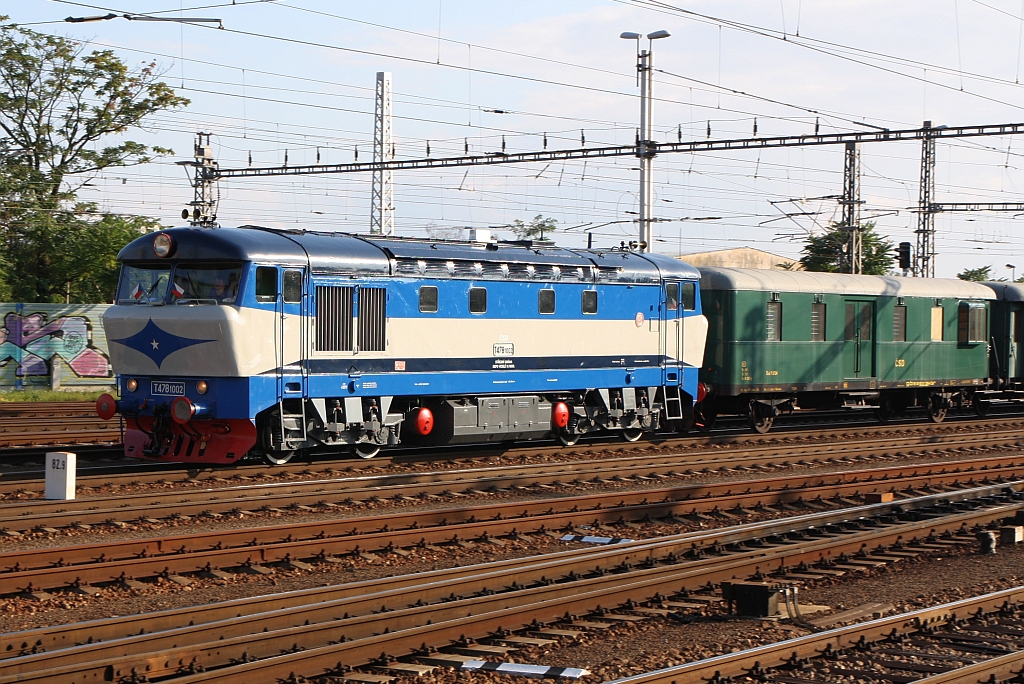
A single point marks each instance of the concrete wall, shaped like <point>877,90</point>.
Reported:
<point>34,338</point>
<point>741,257</point>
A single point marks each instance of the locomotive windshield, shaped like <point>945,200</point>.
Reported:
<point>143,284</point>
<point>188,283</point>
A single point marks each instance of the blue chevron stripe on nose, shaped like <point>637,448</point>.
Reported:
<point>157,343</point>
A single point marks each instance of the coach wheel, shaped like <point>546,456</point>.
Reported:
<point>884,411</point>
<point>632,434</point>
<point>365,449</point>
<point>981,407</point>
<point>760,420</point>
<point>937,408</point>
<point>566,438</point>
<point>278,458</point>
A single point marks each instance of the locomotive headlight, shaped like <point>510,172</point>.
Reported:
<point>163,245</point>
<point>132,384</point>
<point>201,387</point>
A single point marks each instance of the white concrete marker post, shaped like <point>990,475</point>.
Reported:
<point>60,474</point>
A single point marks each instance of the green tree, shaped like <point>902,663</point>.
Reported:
<point>976,275</point>
<point>64,112</point>
<point>535,229</point>
<point>826,252</point>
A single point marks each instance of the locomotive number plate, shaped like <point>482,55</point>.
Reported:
<point>167,389</point>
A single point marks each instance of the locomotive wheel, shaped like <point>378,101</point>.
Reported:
<point>278,458</point>
<point>936,411</point>
<point>365,449</point>
<point>567,438</point>
<point>760,422</point>
<point>632,434</point>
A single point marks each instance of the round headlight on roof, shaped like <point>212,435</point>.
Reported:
<point>163,245</point>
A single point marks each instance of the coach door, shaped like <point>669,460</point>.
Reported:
<point>292,332</point>
<point>673,333</point>
<point>859,346</point>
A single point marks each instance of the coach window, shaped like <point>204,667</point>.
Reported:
<point>428,299</point>
<point>972,323</point>
<point>937,324</point>
<point>546,301</point>
<point>266,284</point>
<point>292,286</point>
<point>589,304</point>
<point>478,300</point>
<point>688,292</point>
<point>773,320</point>
<point>818,322</point>
<point>672,296</point>
<point>899,323</point>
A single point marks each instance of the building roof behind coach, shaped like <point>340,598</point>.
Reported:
<point>749,279</point>
<point>1006,292</point>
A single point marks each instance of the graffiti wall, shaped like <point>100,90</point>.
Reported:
<point>34,338</point>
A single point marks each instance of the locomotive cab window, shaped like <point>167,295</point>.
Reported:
<point>688,296</point>
<point>266,283</point>
<point>972,323</point>
<point>141,284</point>
<point>205,283</point>
<point>546,301</point>
<point>428,299</point>
<point>672,296</point>
<point>477,300</point>
<point>589,302</point>
<point>292,286</point>
<point>773,322</point>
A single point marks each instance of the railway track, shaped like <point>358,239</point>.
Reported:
<point>974,640</point>
<point>303,542</point>
<point>326,493</point>
<point>326,631</point>
<point>36,425</point>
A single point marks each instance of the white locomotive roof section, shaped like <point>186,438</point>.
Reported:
<point>1006,292</point>
<point>838,283</point>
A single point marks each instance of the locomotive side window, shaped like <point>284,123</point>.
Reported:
<point>817,322</point>
<point>292,286</point>
<point>478,300</point>
<point>672,296</point>
<point>899,324</point>
<point>773,320</point>
<point>428,299</point>
<point>266,283</point>
<point>688,292</point>
<point>589,303</point>
<point>546,301</point>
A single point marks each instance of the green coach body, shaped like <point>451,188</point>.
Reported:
<point>780,340</point>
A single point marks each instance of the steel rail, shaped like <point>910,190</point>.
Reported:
<point>109,561</point>
<point>362,639</point>
<point>792,650</point>
<point>25,514</point>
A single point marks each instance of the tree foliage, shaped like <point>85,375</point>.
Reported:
<point>535,229</point>
<point>64,114</point>
<point>827,252</point>
<point>976,275</point>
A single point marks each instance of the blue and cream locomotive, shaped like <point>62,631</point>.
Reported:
<point>231,341</point>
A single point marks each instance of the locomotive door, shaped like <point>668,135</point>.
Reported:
<point>292,332</point>
<point>673,326</point>
<point>859,345</point>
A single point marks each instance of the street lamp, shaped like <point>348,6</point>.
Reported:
<point>646,148</point>
<point>1013,272</point>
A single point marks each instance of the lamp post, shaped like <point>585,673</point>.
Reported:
<point>646,148</point>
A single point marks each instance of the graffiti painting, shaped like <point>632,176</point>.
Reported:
<point>32,340</point>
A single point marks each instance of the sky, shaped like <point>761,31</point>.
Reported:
<point>297,77</point>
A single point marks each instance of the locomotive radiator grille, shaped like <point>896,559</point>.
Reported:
<point>372,318</point>
<point>334,309</point>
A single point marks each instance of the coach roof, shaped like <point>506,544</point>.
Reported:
<point>1006,292</point>
<point>751,279</point>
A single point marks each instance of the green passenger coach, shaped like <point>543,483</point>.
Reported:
<point>785,340</point>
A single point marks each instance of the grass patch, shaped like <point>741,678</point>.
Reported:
<point>50,395</point>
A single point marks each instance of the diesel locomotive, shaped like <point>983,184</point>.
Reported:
<point>236,341</point>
